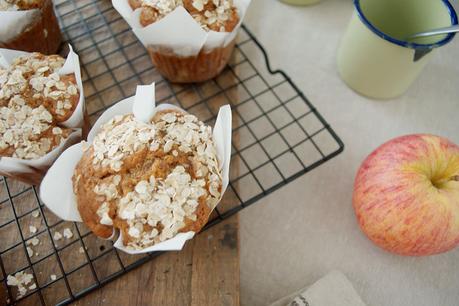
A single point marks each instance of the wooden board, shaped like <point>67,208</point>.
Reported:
<point>205,272</point>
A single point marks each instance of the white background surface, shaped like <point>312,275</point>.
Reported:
<point>302,231</point>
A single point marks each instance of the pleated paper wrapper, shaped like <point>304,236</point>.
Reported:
<point>32,171</point>
<point>34,30</point>
<point>180,49</point>
<point>56,190</point>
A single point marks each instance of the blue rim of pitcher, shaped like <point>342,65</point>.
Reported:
<point>447,39</point>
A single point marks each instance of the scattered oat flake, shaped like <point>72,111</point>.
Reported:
<point>32,229</point>
<point>34,241</point>
<point>29,251</point>
<point>81,250</point>
<point>35,214</point>
<point>68,233</point>
<point>57,236</point>
<point>20,280</point>
<point>53,277</point>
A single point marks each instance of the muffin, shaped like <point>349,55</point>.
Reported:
<point>150,181</point>
<point>212,15</point>
<point>34,102</point>
<point>40,33</point>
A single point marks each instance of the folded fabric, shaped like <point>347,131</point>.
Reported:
<point>334,289</point>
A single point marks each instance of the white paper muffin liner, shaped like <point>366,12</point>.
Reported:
<point>178,31</point>
<point>14,22</point>
<point>15,167</point>
<point>56,190</point>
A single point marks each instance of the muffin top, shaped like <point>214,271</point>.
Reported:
<point>149,180</point>
<point>212,15</point>
<point>34,100</point>
<point>20,5</point>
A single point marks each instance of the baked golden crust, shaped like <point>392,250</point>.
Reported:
<point>135,4</point>
<point>106,193</point>
<point>212,15</point>
<point>29,4</point>
<point>188,5</point>
<point>149,15</point>
<point>34,100</point>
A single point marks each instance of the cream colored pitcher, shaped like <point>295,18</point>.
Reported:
<point>376,59</point>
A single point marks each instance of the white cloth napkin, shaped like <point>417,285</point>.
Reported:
<point>334,289</point>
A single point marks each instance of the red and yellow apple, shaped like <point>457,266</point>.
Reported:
<point>406,195</point>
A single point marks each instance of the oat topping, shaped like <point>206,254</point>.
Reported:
<point>53,277</point>
<point>210,14</point>
<point>164,7</point>
<point>21,280</point>
<point>213,17</point>
<point>8,6</point>
<point>35,214</point>
<point>21,127</point>
<point>157,208</point>
<point>33,100</point>
<point>102,212</point>
<point>169,202</point>
<point>120,137</point>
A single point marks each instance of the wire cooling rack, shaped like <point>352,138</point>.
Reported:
<point>277,136</point>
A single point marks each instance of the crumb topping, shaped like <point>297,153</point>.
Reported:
<point>163,7</point>
<point>156,208</point>
<point>212,15</point>
<point>120,137</point>
<point>34,98</point>
<point>166,202</point>
<point>102,212</point>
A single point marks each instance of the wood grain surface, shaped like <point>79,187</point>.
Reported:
<point>205,272</point>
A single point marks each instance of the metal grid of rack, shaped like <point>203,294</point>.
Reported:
<point>277,136</point>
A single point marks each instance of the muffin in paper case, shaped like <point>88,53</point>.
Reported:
<point>57,190</point>
<point>181,50</point>
<point>31,171</point>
